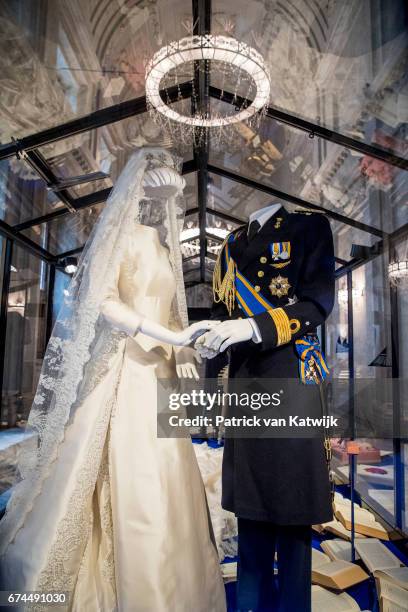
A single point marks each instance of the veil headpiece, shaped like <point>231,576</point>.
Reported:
<point>81,343</point>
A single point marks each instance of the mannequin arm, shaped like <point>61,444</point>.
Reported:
<point>127,320</point>
<point>120,316</point>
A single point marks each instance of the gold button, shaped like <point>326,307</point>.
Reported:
<point>257,288</point>
<point>263,260</point>
<point>261,273</point>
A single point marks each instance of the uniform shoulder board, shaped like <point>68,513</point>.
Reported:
<point>237,230</point>
<point>307,211</point>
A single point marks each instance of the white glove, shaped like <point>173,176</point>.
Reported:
<point>222,336</point>
<point>186,358</point>
<point>192,332</point>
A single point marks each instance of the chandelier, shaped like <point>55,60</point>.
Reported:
<point>342,294</point>
<point>398,273</point>
<point>227,63</point>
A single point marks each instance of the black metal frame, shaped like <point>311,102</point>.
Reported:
<point>28,149</point>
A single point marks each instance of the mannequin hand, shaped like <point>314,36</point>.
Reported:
<point>186,357</point>
<point>192,332</point>
<point>222,336</point>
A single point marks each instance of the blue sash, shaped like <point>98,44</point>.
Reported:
<point>252,303</point>
<point>311,360</point>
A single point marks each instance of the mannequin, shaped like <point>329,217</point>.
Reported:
<point>161,182</point>
<point>273,285</point>
<point>116,515</point>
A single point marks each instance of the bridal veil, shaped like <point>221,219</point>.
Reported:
<point>81,343</point>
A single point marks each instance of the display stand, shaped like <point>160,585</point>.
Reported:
<point>353,450</point>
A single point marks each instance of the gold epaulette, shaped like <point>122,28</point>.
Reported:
<point>224,287</point>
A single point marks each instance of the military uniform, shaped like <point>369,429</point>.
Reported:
<point>280,482</point>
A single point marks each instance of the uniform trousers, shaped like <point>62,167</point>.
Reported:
<point>257,589</point>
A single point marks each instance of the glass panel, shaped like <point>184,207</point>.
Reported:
<point>337,341</point>
<point>400,314</point>
<point>372,329</point>
<point>372,318</point>
<point>100,151</point>
<point>339,64</point>
<point>90,187</point>
<point>25,335</point>
<point>67,232</point>
<point>2,248</point>
<point>190,194</point>
<point>344,236</point>
<point>405,487</point>
<point>400,254</point>
<point>236,199</point>
<point>23,194</point>
<point>61,284</point>
<point>69,60</point>
<point>317,171</point>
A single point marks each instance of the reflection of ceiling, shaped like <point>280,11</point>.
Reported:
<point>333,62</point>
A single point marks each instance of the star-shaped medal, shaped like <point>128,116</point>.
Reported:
<point>279,286</point>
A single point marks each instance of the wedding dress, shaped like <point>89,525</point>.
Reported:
<point>118,518</point>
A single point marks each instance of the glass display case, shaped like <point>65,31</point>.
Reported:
<point>25,338</point>
<point>334,142</point>
<point>366,343</point>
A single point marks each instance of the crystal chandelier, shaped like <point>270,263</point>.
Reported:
<point>398,273</point>
<point>227,63</point>
<point>342,294</point>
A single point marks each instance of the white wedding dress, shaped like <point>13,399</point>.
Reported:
<point>121,520</point>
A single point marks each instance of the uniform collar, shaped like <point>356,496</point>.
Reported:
<point>262,215</point>
<point>273,229</point>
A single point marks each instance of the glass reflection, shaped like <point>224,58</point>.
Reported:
<point>23,194</point>
<point>90,57</point>
<point>25,336</point>
<point>70,231</point>
<point>319,172</point>
<point>341,65</point>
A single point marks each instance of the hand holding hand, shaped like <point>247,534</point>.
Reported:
<point>222,336</point>
<point>192,332</point>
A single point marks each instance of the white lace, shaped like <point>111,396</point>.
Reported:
<point>82,344</point>
<point>224,523</point>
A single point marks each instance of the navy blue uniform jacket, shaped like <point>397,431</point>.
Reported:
<point>284,481</point>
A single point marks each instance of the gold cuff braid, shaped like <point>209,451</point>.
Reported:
<point>282,324</point>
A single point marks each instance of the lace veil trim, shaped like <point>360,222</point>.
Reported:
<point>81,345</point>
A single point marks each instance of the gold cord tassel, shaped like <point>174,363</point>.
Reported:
<point>224,288</point>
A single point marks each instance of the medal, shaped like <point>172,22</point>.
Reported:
<point>280,251</point>
<point>279,286</point>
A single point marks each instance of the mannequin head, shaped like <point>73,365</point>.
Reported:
<point>163,182</point>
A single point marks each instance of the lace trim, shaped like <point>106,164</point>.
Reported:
<point>68,371</point>
<point>74,528</point>
<point>224,523</point>
<point>108,562</point>
<point>68,353</point>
